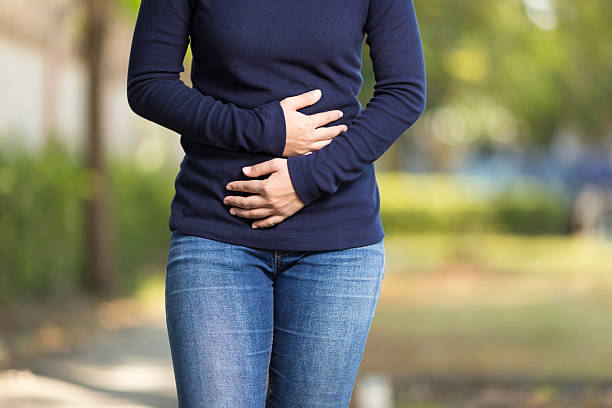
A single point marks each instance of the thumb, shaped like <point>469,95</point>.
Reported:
<point>260,169</point>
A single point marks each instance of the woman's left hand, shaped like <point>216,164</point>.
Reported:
<point>274,198</point>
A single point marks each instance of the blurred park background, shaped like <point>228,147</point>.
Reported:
<point>497,207</point>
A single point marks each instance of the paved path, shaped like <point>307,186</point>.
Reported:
<point>127,368</point>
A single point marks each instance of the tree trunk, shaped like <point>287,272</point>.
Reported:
<point>99,262</point>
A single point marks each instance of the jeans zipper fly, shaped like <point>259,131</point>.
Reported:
<point>278,254</point>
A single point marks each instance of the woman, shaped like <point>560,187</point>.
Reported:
<point>276,252</point>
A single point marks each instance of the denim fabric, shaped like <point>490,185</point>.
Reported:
<point>268,328</point>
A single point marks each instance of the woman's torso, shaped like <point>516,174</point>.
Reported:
<point>243,54</point>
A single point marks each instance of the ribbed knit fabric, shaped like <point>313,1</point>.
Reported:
<point>249,55</point>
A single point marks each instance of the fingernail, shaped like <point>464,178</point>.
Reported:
<point>246,169</point>
<point>340,114</point>
<point>254,226</point>
<point>317,92</point>
<point>228,187</point>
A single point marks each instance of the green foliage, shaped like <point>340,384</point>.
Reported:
<point>42,219</point>
<point>549,68</point>
<point>447,203</point>
<point>141,208</point>
<point>530,209</point>
<point>41,222</point>
<point>128,8</point>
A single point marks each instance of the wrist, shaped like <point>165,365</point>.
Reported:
<point>275,127</point>
<point>301,179</point>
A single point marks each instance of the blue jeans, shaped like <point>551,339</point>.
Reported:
<point>268,328</point>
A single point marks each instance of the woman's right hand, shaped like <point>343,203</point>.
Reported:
<point>305,133</point>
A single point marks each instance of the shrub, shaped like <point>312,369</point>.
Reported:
<point>452,204</point>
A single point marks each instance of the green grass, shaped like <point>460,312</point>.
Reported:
<point>535,339</point>
<point>502,253</point>
<point>493,307</point>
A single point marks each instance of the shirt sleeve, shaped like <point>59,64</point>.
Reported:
<point>156,92</point>
<point>398,101</point>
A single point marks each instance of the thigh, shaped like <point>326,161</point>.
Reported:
<point>324,305</point>
<point>219,316</point>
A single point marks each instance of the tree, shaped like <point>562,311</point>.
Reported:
<point>99,254</point>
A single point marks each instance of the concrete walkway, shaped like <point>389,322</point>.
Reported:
<point>127,368</point>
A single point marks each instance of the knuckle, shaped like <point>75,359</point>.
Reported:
<point>277,207</point>
<point>244,203</point>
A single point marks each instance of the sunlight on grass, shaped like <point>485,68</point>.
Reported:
<point>503,253</point>
<point>494,305</point>
<point>152,287</point>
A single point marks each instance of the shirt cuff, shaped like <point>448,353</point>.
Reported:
<point>275,134</point>
<point>301,178</point>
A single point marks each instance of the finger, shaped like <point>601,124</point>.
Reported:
<point>260,169</point>
<point>302,100</point>
<point>323,118</point>
<point>253,201</point>
<point>319,145</point>
<point>254,213</point>
<point>268,222</point>
<point>329,132</point>
<point>249,186</point>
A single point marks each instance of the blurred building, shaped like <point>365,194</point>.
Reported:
<point>43,79</point>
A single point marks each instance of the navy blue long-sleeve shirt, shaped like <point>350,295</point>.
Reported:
<point>249,55</point>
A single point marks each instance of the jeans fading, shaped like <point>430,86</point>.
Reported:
<point>268,328</point>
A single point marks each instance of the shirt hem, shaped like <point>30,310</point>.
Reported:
<point>263,239</point>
